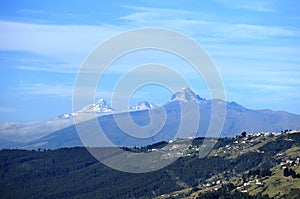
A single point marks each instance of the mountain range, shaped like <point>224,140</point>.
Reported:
<point>61,131</point>
<point>12,133</point>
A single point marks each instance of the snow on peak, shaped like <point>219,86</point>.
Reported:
<point>185,95</point>
<point>101,101</point>
<point>142,106</point>
<point>101,106</point>
<point>104,107</point>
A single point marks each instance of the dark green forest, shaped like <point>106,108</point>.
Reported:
<point>74,173</point>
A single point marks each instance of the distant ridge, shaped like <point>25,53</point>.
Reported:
<point>237,120</point>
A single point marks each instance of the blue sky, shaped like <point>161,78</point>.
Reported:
<point>254,44</point>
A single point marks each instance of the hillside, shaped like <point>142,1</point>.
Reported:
<point>251,166</point>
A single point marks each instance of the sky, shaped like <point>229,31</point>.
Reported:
<point>255,46</point>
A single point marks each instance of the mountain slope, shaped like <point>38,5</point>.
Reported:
<point>26,132</point>
<point>165,123</point>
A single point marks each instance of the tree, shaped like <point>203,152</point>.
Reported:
<point>286,172</point>
<point>290,172</point>
<point>244,134</point>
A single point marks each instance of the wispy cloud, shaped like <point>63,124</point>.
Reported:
<point>203,24</point>
<point>68,44</point>
<point>244,31</point>
<point>57,90</point>
<point>252,54</point>
<point>270,87</point>
<point>254,5</point>
<point>7,109</point>
<point>48,13</point>
<point>31,11</point>
<point>61,68</point>
<point>140,16</point>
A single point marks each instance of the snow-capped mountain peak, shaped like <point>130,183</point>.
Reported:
<point>142,106</point>
<point>185,95</point>
<point>101,106</point>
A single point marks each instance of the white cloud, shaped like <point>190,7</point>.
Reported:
<point>253,5</point>
<point>201,24</point>
<point>61,68</point>
<point>7,109</point>
<point>26,132</point>
<point>270,87</point>
<point>31,11</point>
<point>69,44</point>
<point>239,41</point>
<point>244,31</point>
<point>57,90</point>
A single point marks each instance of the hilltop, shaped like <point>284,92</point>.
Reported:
<point>258,165</point>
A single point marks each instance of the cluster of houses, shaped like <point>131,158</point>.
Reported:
<point>176,150</point>
<point>181,148</point>
<point>243,142</point>
<point>290,163</point>
<point>210,184</point>
<point>246,185</point>
<point>239,145</point>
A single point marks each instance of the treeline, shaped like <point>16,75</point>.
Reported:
<point>74,173</point>
<point>71,173</point>
<point>290,172</point>
<point>227,191</point>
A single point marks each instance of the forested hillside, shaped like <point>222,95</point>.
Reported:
<point>243,166</point>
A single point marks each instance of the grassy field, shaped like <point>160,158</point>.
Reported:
<point>276,185</point>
